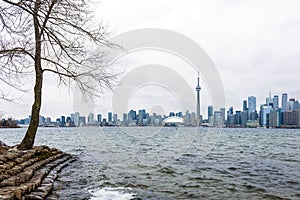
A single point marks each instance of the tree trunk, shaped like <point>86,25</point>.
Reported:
<point>28,140</point>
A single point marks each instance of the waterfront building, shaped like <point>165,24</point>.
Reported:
<point>115,118</point>
<point>269,100</point>
<point>131,116</point>
<point>48,120</point>
<point>244,118</point>
<point>76,119</point>
<point>218,119</point>
<point>264,115</point>
<point>238,118</point>
<point>73,117</point>
<point>58,122</point>
<point>99,118</point>
<point>223,114</point>
<point>210,112</point>
<point>180,114</point>
<point>62,120</point>
<point>211,121</point>
<point>141,116</point>
<point>230,111</point>
<point>125,117</point>
<point>171,114</point>
<point>230,121</point>
<point>293,104</point>
<point>291,119</point>
<point>187,119</point>
<point>275,118</point>
<point>251,104</point>
<point>253,116</point>
<point>109,117</point>
<point>194,119</point>
<point>276,102</point>
<point>245,108</point>
<point>91,118</point>
<point>284,106</point>
<point>82,121</point>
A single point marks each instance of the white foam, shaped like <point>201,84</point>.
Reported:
<point>111,194</point>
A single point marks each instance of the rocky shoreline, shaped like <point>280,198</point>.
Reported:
<point>30,174</point>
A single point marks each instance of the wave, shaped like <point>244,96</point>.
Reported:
<point>108,193</point>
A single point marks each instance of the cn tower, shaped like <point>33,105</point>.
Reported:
<point>198,88</point>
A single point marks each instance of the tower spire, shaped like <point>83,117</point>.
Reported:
<point>198,88</point>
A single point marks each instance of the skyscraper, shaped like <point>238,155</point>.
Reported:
<point>99,117</point>
<point>115,118</point>
<point>91,118</point>
<point>245,105</point>
<point>269,100</point>
<point>284,102</point>
<point>125,117</point>
<point>198,88</point>
<point>132,115</point>
<point>251,104</point>
<point>77,119</point>
<point>210,111</point>
<point>109,116</point>
<point>276,102</point>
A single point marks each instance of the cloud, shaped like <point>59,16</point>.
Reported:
<point>254,44</point>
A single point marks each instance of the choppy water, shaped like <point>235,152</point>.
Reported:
<point>174,163</point>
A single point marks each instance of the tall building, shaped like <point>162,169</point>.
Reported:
<point>77,119</point>
<point>142,115</point>
<point>251,104</point>
<point>73,117</point>
<point>125,117</point>
<point>244,118</point>
<point>131,115</point>
<point>218,119</point>
<point>290,104</point>
<point>115,118</point>
<point>269,100</point>
<point>91,118</point>
<point>291,119</point>
<point>99,118</point>
<point>198,88</point>
<point>223,113</point>
<point>284,101</point>
<point>276,102</point>
<point>245,105</point>
<point>264,115</point>
<point>275,118</point>
<point>109,116</point>
<point>63,120</point>
<point>210,112</point>
<point>230,111</point>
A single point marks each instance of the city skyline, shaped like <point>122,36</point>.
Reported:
<point>270,113</point>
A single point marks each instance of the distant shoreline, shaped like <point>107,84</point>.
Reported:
<point>9,127</point>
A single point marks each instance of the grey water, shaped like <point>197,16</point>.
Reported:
<point>173,163</point>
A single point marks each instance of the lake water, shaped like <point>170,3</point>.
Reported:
<point>174,163</point>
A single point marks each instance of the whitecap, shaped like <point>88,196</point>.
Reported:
<point>119,193</point>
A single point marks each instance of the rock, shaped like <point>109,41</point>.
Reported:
<point>11,155</point>
<point>2,144</point>
<point>30,174</point>
<point>33,197</point>
<point>18,193</point>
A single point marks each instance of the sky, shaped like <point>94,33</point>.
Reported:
<point>254,45</point>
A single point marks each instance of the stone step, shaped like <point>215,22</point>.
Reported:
<point>36,180</point>
<point>25,163</point>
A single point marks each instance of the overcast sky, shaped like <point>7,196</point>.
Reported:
<point>254,44</point>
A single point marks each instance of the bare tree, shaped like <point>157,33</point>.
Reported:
<point>56,36</point>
